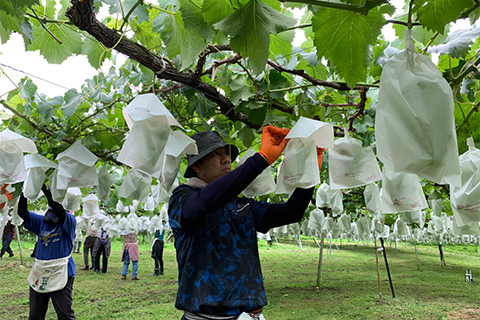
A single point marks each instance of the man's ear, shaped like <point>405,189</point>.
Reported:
<point>196,167</point>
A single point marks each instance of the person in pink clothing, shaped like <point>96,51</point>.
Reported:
<point>130,253</point>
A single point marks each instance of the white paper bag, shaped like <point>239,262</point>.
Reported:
<point>57,194</point>
<point>344,223</point>
<point>318,131</point>
<point>414,124</point>
<point>150,204</point>
<point>263,183</point>
<point>417,217</point>
<point>465,199</point>
<point>400,228</point>
<point>136,185</point>
<point>316,220</point>
<point>372,198</point>
<point>168,165</point>
<point>12,166</point>
<point>401,192</point>
<point>351,165</point>
<point>33,184</point>
<point>146,106</point>
<point>76,167</point>
<point>364,227</point>
<point>12,147</point>
<point>25,144</point>
<point>322,196</point>
<point>330,198</point>
<point>90,206</point>
<point>299,168</point>
<point>470,229</point>
<point>36,165</point>
<point>436,205</point>
<point>72,199</point>
<point>104,183</point>
<point>145,143</point>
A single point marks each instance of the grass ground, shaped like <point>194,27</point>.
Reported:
<point>348,289</point>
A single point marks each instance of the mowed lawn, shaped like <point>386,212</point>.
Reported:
<point>349,286</point>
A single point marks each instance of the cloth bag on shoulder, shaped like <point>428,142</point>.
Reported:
<point>415,124</point>
<point>351,165</point>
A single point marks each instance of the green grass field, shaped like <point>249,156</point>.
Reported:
<point>349,287</point>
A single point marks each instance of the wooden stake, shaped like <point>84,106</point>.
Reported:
<point>320,259</point>
<point>378,269</point>
<point>388,269</point>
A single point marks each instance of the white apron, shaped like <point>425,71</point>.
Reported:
<point>49,275</point>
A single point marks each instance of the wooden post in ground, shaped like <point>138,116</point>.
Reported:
<point>416,254</point>
<point>320,259</point>
<point>442,258</point>
<point>378,268</point>
<point>19,244</point>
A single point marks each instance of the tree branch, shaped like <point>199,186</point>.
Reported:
<point>456,81</point>
<point>81,14</point>
<point>44,27</point>
<point>303,74</point>
<point>203,56</point>
<point>361,107</point>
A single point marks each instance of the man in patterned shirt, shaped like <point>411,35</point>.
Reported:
<point>215,229</point>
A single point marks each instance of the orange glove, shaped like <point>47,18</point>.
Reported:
<point>273,143</point>
<point>9,195</point>
<point>320,158</point>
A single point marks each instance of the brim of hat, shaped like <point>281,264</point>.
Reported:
<point>189,173</point>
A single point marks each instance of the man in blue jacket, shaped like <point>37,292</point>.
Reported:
<point>215,229</point>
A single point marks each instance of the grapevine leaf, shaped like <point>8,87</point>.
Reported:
<point>96,53</point>
<point>44,107</point>
<point>281,44</point>
<point>71,101</point>
<point>240,90</point>
<point>250,28</point>
<point>145,35</point>
<point>435,14</point>
<point>53,51</point>
<point>215,10</point>
<point>186,33</point>
<point>344,37</point>
<point>27,89</point>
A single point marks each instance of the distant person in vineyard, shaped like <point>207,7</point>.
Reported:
<point>90,239</point>
<point>102,249</point>
<point>130,254</point>
<point>53,272</point>
<point>215,229</point>
<point>8,235</point>
<point>157,251</point>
